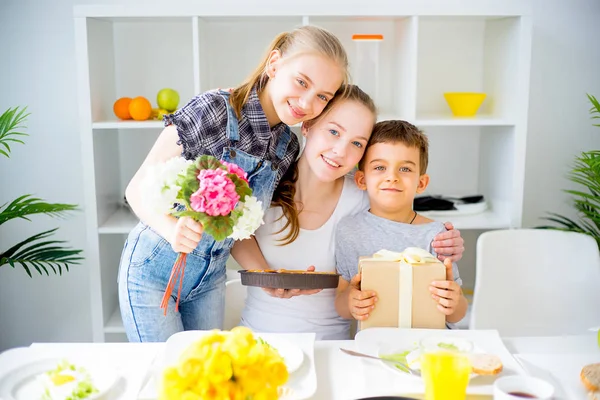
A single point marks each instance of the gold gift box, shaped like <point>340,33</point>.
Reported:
<point>402,281</point>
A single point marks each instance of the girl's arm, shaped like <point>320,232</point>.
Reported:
<point>183,234</point>
<point>449,244</point>
<point>248,254</point>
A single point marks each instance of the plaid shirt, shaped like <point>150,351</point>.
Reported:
<point>201,125</point>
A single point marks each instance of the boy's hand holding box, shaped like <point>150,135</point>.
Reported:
<point>402,282</point>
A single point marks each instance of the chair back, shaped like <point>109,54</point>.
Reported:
<point>536,282</point>
<point>235,298</point>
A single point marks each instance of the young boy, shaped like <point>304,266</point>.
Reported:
<point>392,171</point>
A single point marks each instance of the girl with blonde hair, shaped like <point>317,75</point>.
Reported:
<point>300,74</point>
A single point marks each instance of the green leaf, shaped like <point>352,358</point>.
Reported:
<point>208,162</point>
<point>241,186</point>
<point>10,124</point>
<point>197,216</point>
<point>40,254</point>
<point>219,227</point>
<point>595,109</point>
<point>189,184</point>
<point>586,200</point>
<point>28,205</point>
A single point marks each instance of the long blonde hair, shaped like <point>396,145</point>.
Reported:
<point>286,190</point>
<point>305,39</point>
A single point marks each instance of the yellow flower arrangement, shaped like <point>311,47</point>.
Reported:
<point>225,365</point>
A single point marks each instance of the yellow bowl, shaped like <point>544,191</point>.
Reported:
<point>464,104</point>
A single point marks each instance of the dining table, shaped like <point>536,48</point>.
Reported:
<point>339,376</point>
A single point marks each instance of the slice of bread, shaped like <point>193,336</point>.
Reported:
<point>486,364</point>
<point>590,376</point>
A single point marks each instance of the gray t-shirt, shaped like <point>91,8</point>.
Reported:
<point>364,234</point>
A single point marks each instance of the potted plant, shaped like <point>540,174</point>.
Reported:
<point>586,199</point>
<point>39,251</point>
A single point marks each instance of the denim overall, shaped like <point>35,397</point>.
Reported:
<point>147,260</point>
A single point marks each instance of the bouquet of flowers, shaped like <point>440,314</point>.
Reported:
<point>215,193</point>
<point>229,365</point>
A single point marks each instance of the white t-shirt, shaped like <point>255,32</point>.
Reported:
<point>310,313</point>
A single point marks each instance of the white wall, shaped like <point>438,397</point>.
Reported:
<point>37,68</point>
<point>565,65</point>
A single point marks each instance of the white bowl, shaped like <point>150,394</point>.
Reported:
<point>539,389</point>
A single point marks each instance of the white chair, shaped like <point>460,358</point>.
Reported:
<point>235,296</point>
<point>534,282</point>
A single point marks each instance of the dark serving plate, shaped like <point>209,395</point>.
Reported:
<point>421,396</point>
<point>289,280</point>
<point>388,398</point>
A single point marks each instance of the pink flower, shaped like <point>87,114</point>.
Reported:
<point>236,169</point>
<point>216,195</point>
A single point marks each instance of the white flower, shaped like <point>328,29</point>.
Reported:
<point>159,190</point>
<point>250,220</point>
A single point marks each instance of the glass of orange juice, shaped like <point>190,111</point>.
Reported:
<point>445,367</point>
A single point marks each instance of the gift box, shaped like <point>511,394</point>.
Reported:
<point>402,281</point>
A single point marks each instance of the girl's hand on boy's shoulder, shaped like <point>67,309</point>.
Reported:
<point>449,244</point>
<point>446,293</point>
<point>360,303</point>
<point>289,293</point>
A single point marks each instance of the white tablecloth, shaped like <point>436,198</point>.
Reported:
<point>339,376</point>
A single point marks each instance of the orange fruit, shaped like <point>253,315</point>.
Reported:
<point>140,108</point>
<point>121,108</point>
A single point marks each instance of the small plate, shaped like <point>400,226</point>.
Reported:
<point>21,383</point>
<point>292,355</point>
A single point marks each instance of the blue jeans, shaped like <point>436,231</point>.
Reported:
<point>146,265</point>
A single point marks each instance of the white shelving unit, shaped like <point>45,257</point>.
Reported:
<point>429,48</point>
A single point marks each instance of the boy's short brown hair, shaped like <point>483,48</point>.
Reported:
<point>398,131</point>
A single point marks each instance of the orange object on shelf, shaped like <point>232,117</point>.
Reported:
<point>140,108</point>
<point>367,37</point>
<point>121,108</point>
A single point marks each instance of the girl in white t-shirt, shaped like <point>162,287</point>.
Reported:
<point>300,226</point>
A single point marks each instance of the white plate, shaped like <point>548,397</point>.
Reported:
<point>292,354</point>
<point>21,383</point>
<point>369,341</point>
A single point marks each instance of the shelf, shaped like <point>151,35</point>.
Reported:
<point>449,120</point>
<point>468,55</point>
<point>114,323</point>
<point>494,218</point>
<point>433,120</point>
<point>429,49</point>
<point>121,221</point>
<point>485,220</point>
<point>128,125</point>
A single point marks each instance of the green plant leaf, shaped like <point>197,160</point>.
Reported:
<point>219,227</point>
<point>208,162</point>
<point>40,254</point>
<point>28,205</point>
<point>10,124</point>
<point>188,182</point>
<point>595,109</point>
<point>241,186</point>
<point>586,200</point>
